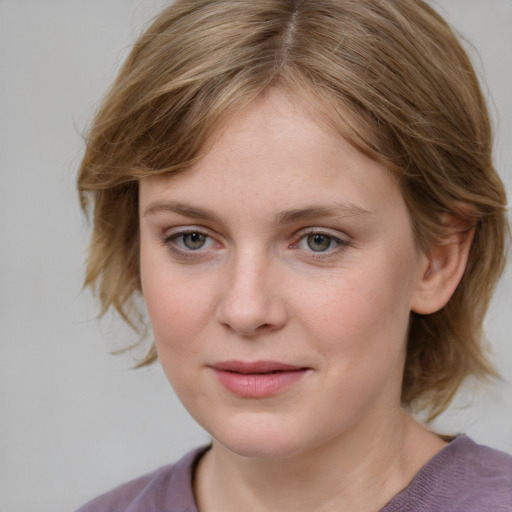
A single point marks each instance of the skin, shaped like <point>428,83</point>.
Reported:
<point>260,289</point>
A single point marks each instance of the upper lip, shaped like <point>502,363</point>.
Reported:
<point>254,366</point>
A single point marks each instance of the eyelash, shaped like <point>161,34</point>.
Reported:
<point>341,243</point>
<point>170,241</point>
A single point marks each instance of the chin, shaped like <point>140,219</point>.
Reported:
<point>261,447</point>
<point>262,438</point>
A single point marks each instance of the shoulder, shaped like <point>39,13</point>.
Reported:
<point>464,476</point>
<point>167,489</point>
<point>479,470</point>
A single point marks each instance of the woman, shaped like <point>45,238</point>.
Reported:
<point>303,193</point>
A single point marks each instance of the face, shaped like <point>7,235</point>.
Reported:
<point>279,274</point>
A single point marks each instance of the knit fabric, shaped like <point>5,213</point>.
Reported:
<point>462,477</point>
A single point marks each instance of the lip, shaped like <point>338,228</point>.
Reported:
<point>257,379</point>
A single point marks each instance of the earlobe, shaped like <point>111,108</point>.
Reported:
<point>442,269</point>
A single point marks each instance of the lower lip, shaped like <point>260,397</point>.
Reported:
<point>258,385</point>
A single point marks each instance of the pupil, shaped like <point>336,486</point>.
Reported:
<point>194,240</point>
<point>319,242</point>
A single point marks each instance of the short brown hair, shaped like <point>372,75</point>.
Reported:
<point>388,75</point>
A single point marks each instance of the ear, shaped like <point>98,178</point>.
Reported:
<point>442,267</point>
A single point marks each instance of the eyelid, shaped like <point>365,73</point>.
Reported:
<point>207,240</point>
<point>332,233</point>
<point>343,241</point>
<point>170,235</point>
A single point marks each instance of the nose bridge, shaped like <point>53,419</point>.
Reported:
<point>250,302</point>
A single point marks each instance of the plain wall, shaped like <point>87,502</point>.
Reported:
<point>74,420</point>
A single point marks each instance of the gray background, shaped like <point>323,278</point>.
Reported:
<point>74,420</point>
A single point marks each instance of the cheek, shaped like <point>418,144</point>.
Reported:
<point>176,303</point>
<point>362,313</point>
<point>360,335</point>
<point>176,311</point>
<point>178,317</point>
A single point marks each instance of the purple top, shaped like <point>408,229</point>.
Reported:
<point>462,477</point>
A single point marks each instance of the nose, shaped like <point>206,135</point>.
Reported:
<point>250,303</point>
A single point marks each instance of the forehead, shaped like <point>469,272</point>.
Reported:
<point>279,153</point>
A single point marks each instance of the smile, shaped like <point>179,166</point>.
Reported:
<point>258,379</point>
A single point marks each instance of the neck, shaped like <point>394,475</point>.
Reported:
<point>360,471</point>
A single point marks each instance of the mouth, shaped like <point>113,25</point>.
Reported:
<point>259,379</point>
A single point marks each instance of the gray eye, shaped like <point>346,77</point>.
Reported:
<point>193,240</point>
<point>318,242</point>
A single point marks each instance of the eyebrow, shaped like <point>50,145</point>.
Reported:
<point>316,212</point>
<point>183,209</point>
<point>284,217</point>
